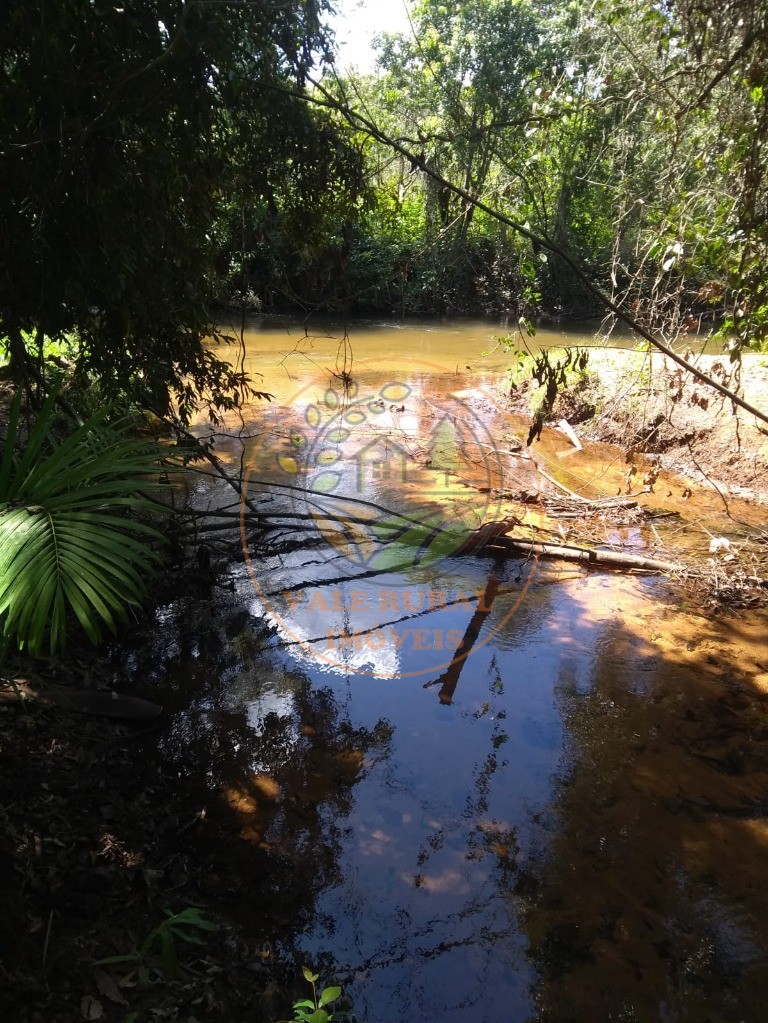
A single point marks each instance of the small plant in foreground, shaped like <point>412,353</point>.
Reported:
<point>160,944</point>
<point>68,546</point>
<point>312,1010</point>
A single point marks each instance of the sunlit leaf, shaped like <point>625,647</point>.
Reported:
<point>329,994</point>
<point>68,541</point>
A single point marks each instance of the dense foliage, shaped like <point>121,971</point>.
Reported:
<point>140,143</point>
<point>70,541</point>
<point>161,158</point>
<point>631,136</point>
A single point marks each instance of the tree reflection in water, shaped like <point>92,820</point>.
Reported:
<point>574,828</point>
<point>268,759</point>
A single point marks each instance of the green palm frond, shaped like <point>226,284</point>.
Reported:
<point>68,543</point>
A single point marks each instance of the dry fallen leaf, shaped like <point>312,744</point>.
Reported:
<point>108,987</point>
<point>91,1008</point>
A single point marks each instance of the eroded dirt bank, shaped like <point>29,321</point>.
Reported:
<point>647,405</point>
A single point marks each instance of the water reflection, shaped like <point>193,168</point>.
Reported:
<point>449,680</point>
<point>568,823</point>
<point>649,901</point>
<point>579,832</point>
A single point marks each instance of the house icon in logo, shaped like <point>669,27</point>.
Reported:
<point>382,460</point>
<point>445,448</point>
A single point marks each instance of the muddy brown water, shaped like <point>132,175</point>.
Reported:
<point>465,789</point>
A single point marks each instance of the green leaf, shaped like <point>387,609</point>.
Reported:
<point>329,994</point>
<point>114,960</point>
<point>309,975</point>
<point>192,916</point>
<point>72,545</point>
<point>169,959</point>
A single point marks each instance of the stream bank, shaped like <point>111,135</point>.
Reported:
<point>570,823</point>
<point>646,405</point>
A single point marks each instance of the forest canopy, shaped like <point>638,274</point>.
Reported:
<point>629,136</point>
<point>161,160</point>
<point>138,142</point>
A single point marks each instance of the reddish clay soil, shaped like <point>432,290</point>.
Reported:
<point>647,405</point>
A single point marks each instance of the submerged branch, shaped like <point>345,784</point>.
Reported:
<point>491,538</point>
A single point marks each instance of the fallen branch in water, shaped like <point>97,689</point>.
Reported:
<point>584,555</point>
<point>490,538</point>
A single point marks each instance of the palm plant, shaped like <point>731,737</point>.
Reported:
<point>68,541</point>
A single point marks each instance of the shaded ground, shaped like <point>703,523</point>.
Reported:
<point>96,845</point>
<point>107,826</point>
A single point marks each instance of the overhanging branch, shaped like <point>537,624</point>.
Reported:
<point>360,122</point>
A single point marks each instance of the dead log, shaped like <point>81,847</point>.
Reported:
<point>491,537</point>
<point>583,555</point>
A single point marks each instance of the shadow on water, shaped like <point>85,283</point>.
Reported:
<point>650,901</point>
<point>269,759</point>
<point>484,796</point>
<point>579,833</point>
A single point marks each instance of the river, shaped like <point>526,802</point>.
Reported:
<point>465,788</point>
